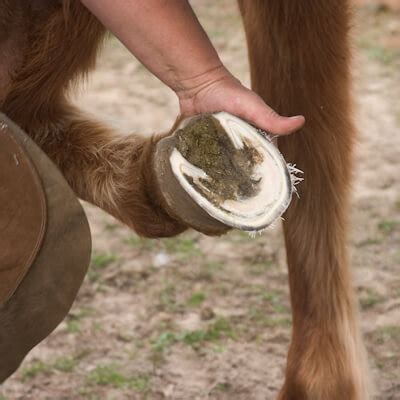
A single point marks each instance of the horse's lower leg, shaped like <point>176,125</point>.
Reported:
<point>109,170</point>
<point>299,55</point>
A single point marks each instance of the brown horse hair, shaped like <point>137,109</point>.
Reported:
<point>300,64</point>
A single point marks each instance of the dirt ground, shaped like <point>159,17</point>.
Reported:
<point>201,318</point>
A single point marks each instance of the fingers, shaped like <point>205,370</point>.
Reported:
<point>233,97</point>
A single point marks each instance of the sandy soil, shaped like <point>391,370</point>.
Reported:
<point>199,318</point>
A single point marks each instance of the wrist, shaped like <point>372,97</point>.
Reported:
<point>199,94</point>
<point>189,88</point>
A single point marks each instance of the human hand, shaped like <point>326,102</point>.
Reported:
<point>218,90</point>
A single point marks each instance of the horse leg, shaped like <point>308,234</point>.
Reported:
<point>300,64</point>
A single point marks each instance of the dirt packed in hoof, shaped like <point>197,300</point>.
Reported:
<point>206,145</point>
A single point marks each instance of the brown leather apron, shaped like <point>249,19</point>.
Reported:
<point>45,246</point>
<point>23,215</point>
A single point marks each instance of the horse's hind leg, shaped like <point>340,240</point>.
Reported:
<point>299,56</point>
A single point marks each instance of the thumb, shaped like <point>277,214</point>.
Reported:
<point>278,125</point>
<point>264,117</point>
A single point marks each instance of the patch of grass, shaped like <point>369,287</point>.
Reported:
<point>219,329</point>
<point>164,340</point>
<point>65,364</point>
<point>207,270</point>
<point>397,292</point>
<point>369,298</point>
<point>221,387</point>
<point>376,52</point>
<point>260,317</point>
<point>73,326</point>
<point>93,275</point>
<point>223,289</point>
<point>34,369</point>
<point>196,299</point>
<point>369,242</point>
<point>109,226</point>
<point>269,297</point>
<point>213,266</point>
<point>281,321</point>
<point>98,262</point>
<point>167,298</point>
<point>96,326</point>
<point>73,322</point>
<point>387,333</point>
<point>258,269</point>
<point>109,375</point>
<point>387,226</point>
<point>125,336</point>
<point>192,338</point>
<point>139,383</point>
<point>141,243</point>
<point>88,394</point>
<point>218,348</point>
<point>381,54</point>
<point>182,247</point>
<point>102,260</point>
<point>62,364</point>
<point>379,364</point>
<point>216,331</point>
<point>273,299</point>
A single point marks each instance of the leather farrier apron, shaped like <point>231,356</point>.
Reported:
<point>44,246</point>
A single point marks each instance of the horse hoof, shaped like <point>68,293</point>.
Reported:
<point>217,172</point>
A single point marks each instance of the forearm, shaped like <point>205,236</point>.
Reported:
<point>166,37</point>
